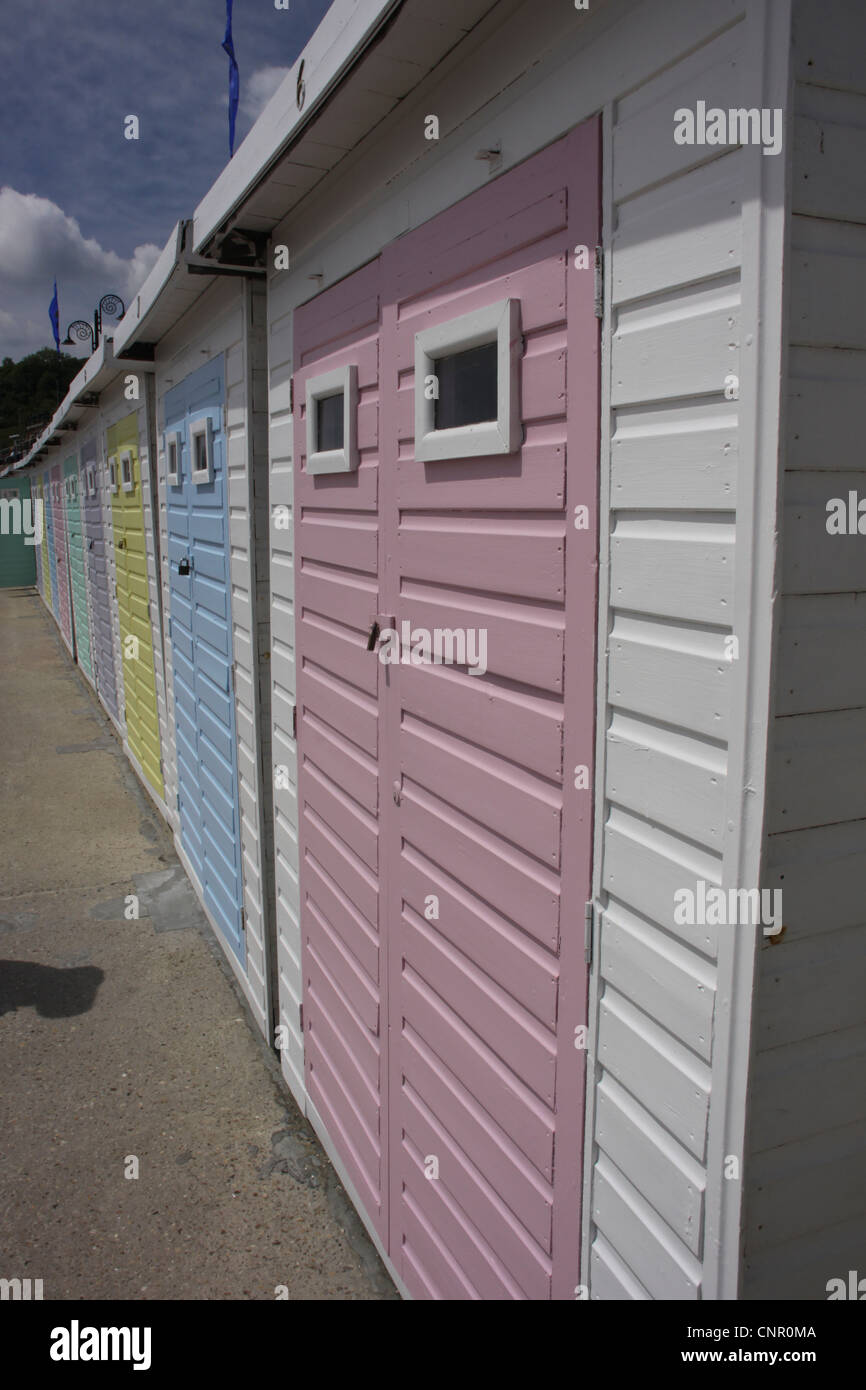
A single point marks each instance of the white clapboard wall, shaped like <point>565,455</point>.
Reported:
<point>805,1197</point>
<point>693,250</point>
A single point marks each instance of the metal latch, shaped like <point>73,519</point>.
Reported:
<point>588,931</point>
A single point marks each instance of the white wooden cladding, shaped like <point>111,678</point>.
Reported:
<point>804,1220</point>
<point>676,247</point>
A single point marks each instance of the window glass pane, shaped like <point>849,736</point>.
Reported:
<point>200,463</point>
<point>329,422</point>
<point>467,387</point>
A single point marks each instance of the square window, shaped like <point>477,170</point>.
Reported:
<point>127,476</point>
<point>467,390</point>
<point>329,422</point>
<point>201,451</point>
<point>91,481</point>
<point>172,458</point>
<point>468,387</point>
<point>112,473</point>
<point>331,404</point>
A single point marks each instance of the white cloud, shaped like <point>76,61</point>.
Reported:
<point>38,241</point>
<point>257,91</point>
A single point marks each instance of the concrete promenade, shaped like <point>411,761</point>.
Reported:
<point>128,1039</point>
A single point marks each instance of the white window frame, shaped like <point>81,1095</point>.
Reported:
<point>197,428</point>
<point>495,323</point>
<point>126,457</point>
<point>343,460</point>
<point>112,471</point>
<point>172,439</point>
<point>91,480</point>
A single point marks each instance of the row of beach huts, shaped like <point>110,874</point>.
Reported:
<point>464,344</point>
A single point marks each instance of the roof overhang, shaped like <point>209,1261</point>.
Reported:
<point>99,371</point>
<point>365,57</point>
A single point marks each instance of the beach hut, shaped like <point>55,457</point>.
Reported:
<point>61,556</point>
<point>51,527</point>
<point>77,570</point>
<point>203,322</point>
<point>98,551</point>
<point>19,552</point>
<point>535,278</point>
<point>39,548</point>
<point>139,637</point>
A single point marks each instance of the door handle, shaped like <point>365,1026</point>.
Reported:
<point>380,621</point>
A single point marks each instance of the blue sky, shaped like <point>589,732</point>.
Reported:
<point>76,198</point>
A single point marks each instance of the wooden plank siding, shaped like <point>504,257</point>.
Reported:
<point>681,252</point>
<point>805,1206</point>
<point>228,320</point>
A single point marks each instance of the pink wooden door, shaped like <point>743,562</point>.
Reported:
<point>460,847</point>
<point>339,745</point>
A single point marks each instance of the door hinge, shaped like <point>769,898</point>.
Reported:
<point>295,722</point>
<point>599,282</point>
<point>301,1016</point>
<point>588,931</point>
<point>291,395</point>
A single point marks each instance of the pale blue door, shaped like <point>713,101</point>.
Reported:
<point>201,642</point>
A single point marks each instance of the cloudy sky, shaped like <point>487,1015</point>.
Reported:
<point>79,201</point>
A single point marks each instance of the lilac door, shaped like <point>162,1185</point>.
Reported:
<point>64,606</point>
<point>96,561</point>
<point>446,791</point>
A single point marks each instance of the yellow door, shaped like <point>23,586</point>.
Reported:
<point>136,639</point>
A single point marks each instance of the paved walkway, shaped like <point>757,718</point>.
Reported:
<point>128,1038</point>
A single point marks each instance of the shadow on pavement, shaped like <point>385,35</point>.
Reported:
<point>51,992</point>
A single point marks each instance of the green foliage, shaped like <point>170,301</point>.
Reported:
<point>31,390</point>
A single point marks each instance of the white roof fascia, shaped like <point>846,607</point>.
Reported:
<point>99,370</point>
<point>156,282</point>
<point>345,31</point>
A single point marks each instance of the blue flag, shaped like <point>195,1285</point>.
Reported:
<point>234,78</point>
<point>54,315</point>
